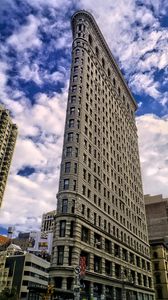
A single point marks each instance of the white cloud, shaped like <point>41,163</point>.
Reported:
<point>153,143</point>
<point>145,83</point>
<point>26,36</point>
<point>141,52</point>
<point>31,72</point>
<point>35,194</point>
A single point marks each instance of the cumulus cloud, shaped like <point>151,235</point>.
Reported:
<point>34,87</point>
<point>26,36</point>
<point>35,194</point>
<point>153,143</point>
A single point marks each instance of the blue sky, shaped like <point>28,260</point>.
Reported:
<point>35,57</point>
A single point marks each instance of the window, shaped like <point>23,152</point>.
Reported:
<point>97,264</point>
<point>125,254</point>
<point>95,219</point>
<point>73,207</point>
<point>76,59</point>
<point>75,78</point>
<point>105,225</point>
<point>117,271</point>
<point>70,137</point>
<point>83,209</point>
<point>74,185</point>
<point>85,234</point>
<point>157,276</point>
<point>75,168</point>
<point>58,282</point>
<point>74,88</point>
<point>90,39</point>
<point>159,293</point>
<point>62,228</point>
<point>67,167</point>
<point>72,110</point>
<point>103,62</point>
<point>60,258</point>
<point>97,51</point>
<point>68,151</point>
<point>97,240</point>
<point>64,205</point>
<point>107,267</point>
<point>75,69</point>
<point>66,184</point>
<point>83,190</point>
<point>70,255</point>
<point>116,250</point>
<point>107,246</point>
<point>138,261</point>
<point>72,228</point>
<point>76,152</point>
<point>99,221</point>
<point>155,255</point>
<point>73,99</point>
<point>69,283</point>
<point>71,123</point>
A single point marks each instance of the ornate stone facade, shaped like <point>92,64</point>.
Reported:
<point>100,208</point>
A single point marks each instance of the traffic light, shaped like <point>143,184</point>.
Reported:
<point>50,289</point>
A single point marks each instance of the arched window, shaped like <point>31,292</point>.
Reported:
<point>119,91</point>
<point>155,255</point>
<point>109,73</point>
<point>90,39</point>
<point>114,82</point>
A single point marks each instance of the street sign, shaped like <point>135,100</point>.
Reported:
<point>77,270</point>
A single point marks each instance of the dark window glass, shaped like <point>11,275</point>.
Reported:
<point>97,264</point>
<point>70,137</point>
<point>64,205</point>
<point>69,151</point>
<point>72,228</point>
<point>71,123</point>
<point>85,234</point>
<point>67,167</point>
<point>60,258</point>
<point>62,228</point>
<point>70,255</point>
<point>66,184</point>
<point>107,267</point>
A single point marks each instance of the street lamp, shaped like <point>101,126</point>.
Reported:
<point>78,270</point>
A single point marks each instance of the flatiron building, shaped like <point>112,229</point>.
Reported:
<point>8,134</point>
<point>100,218</point>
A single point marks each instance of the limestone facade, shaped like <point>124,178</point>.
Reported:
<point>100,207</point>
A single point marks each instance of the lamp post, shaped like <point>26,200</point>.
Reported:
<point>78,270</point>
